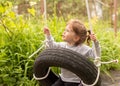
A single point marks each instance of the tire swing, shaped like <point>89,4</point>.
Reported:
<point>64,58</point>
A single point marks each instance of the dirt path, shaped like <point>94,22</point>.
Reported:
<point>112,80</point>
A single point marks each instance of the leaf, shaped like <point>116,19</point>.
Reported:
<point>32,11</point>
<point>2,10</point>
<point>11,15</point>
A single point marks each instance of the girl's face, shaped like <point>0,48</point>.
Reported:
<point>69,35</point>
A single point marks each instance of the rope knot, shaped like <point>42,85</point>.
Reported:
<point>97,61</point>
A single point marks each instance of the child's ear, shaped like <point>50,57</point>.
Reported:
<point>77,38</point>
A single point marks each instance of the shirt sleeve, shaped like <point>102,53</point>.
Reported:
<point>50,43</point>
<point>96,48</point>
<point>95,51</point>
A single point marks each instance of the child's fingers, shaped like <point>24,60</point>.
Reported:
<point>93,37</point>
<point>46,31</point>
<point>45,28</point>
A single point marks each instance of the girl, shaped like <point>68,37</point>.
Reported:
<point>74,36</point>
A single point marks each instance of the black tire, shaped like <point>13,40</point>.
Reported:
<point>67,59</point>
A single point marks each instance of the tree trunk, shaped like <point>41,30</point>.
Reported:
<point>42,6</point>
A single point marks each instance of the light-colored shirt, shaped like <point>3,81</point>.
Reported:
<point>83,49</point>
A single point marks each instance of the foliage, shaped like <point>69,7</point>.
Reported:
<point>15,47</point>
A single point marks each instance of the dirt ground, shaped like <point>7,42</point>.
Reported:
<point>112,80</point>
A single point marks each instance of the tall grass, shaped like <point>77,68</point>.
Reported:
<point>109,44</point>
<point>18,44</point>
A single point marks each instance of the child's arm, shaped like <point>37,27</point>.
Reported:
<point>46,31</point>
<point>49,42</point>
<point>96,45</point>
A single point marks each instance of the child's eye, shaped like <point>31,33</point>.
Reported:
<point>66,30</point>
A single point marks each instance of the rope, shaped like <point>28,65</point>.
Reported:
<point>98,63</point>
<point>36,51</point>
<point>88,12</point>
<point>95,80</point>
<point>45,19</point>
<point>36,78</point>
<point>97,60</point>
<point>45,13</point>
<point>116,61</point>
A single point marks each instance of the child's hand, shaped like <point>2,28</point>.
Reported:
<point>93,37</point>
<point>46,31</point>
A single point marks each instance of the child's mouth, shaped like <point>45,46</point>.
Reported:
<point>62,35</point>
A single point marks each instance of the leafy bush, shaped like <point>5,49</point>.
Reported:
<point>18,41</point>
